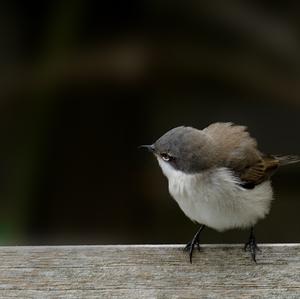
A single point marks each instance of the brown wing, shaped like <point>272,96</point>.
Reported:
<point>259,171</point>
<point>238,151</point>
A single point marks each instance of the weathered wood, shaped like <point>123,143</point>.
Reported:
<point>149,271</point>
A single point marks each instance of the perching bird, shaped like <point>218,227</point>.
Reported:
<point>218,177</point>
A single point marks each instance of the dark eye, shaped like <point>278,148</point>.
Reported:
<point>166,157</point>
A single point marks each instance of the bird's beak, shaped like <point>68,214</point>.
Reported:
<point>150,147</point>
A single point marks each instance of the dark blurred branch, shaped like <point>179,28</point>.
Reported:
<point>255,24</point>
<point>156,64</point>
<point>252,22</point>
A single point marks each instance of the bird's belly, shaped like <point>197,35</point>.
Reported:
<point>220,202</point>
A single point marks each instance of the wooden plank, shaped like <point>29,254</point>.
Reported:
<point>149,271</point>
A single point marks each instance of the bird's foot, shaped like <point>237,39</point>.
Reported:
<point>195,241</point>
<point>191,245</point>
<point>251,246</point>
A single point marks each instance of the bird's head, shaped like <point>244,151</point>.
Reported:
<point>183,149</point>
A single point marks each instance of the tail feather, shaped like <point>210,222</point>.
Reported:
<point>287,159</point>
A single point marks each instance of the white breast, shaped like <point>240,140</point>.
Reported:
<point>214,197</point>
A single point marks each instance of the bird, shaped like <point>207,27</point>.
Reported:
<point>218,177</point>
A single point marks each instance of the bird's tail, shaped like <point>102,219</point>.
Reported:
<point>287,159</point>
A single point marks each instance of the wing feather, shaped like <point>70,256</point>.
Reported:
<point>238,151</point>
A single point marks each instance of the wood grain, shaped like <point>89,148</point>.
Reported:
<point>149,271</point>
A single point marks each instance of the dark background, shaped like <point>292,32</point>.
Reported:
<point>83,83</point>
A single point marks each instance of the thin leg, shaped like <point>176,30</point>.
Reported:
<point>251,245</point>
<point>195,241</point>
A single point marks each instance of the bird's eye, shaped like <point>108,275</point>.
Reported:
<point>165,157</point>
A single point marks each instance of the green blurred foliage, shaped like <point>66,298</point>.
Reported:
<point>83,83</point>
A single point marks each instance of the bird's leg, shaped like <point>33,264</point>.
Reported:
<point>251,245</point>
<point>195,241</point>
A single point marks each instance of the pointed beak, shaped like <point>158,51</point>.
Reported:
<point>150,147</point>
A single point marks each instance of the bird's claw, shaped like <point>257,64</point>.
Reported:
<point>190,247</point>
<point>251,246</point>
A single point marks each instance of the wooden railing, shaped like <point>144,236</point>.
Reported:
<point>149,271</point>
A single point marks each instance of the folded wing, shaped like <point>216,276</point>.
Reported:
<point>238,151</point>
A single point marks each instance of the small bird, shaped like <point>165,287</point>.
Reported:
<point>218,177</point>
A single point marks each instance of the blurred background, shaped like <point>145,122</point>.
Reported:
<point>83,83</point>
